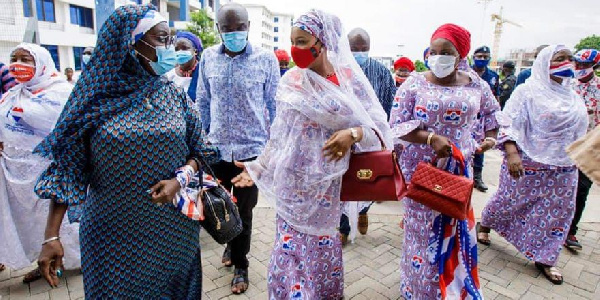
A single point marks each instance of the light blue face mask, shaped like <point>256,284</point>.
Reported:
<point>86,58</point>
<point>183,56</point>
<point>167,59</point>
<point>361,57</point>
<point>235,41</point>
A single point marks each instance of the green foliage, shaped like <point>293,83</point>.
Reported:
<point>590,42</point>
<point>292,64</point>
<point>204,27</point>
<point>420,66</point>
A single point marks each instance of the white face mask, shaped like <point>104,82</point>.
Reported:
<point>441,65</point>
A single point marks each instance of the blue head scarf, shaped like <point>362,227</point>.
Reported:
<point>113,81</point>
<point>196,74</point>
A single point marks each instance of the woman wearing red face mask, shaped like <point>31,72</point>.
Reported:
<point>325,107</point>
<point>28,113</point>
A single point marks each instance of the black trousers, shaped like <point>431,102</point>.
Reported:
<point>584,184</point>
<point>246,201</point>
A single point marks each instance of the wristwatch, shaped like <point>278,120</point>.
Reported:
<point>354,134</point>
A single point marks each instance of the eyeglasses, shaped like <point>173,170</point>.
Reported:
<point>168,40</point>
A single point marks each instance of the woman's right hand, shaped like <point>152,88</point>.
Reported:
<point>441,145</point>
<point>50,260</point>
<point>515,165</point>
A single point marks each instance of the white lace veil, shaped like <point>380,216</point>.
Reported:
<point>544,117</point>
<point>292,170</point>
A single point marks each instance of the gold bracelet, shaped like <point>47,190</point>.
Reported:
<point>429,138</point>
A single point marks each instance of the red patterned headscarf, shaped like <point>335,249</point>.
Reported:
<point>282,55</point>
<point>458,36</point>
<point>404,62</point>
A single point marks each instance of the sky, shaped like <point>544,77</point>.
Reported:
<point>410,23</point>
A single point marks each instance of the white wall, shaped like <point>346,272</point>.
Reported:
<point>285,30</point>
<point>261,27</point>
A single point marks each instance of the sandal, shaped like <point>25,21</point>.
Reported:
<point>32,276</point>
<point>483,234</point>
<point>240,281</point>
<point>226,259</point>
<point>551,273</point>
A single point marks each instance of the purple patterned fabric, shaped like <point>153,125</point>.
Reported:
<point>451,112</point>
<point>534,212</point>
<point>305,266</point>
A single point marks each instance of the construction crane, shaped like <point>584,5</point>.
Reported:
<point>500,21</point>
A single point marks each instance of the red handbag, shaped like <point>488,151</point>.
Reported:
<point>440,190</point>
<point>373,176</point>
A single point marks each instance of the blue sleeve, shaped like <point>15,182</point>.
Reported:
<point>523,75</point>
<point>203,96</point>
<point>271,86</point>
<point>390,91</point>
<point>497,86</point>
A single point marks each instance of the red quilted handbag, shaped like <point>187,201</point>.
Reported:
<point>373,176</point>
<point>440,190</point>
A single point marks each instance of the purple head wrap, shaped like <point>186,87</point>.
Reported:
<point>192,38</point>
<point>312,22</point>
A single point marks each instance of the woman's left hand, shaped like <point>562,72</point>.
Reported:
<point>164,191</point>
<point>485,146</point>
<point>339,144</point>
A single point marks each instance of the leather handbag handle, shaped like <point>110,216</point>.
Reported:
<point>456,155</point>
<point>383,147</point>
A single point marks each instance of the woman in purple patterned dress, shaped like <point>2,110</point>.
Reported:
<point>432,110</point>
<point>325,107</point>
<point>534,204</point>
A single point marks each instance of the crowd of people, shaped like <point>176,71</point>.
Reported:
<point>107,151</point>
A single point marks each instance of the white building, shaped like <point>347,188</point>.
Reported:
<point>268,29</point>
<point>66,27</point>
<point>282,31</point>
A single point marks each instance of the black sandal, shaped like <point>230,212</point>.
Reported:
<point>553,272</point>
<point>240,276</point>
<point>32,276</point>
<point>226,259</point>
<point>480,229</point>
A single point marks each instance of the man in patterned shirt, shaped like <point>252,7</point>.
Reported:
<point>588,87</point>
<point>385,87</point>
<point>6,80</point>
<point>236,97</point>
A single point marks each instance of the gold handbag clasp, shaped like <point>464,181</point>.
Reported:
<point>364,174</point>
<point>437,188</point>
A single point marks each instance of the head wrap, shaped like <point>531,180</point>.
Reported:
<point>150,19</point>
<point>458,36</point>
<point>45,69</point>
<point>425,53</point>
<point>312,23</point>
<point>542,116</point>
<point>282,55</point>
<point>404,62</point>
<point>196,42</point>
<point>482,49</point>
<point>587,56</point>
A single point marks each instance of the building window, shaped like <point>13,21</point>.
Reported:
<point>77,53</point>
<point>138,2</point>
<point>45,10</point>
<point>53,49</point>
<point>276,29</point>
<point>27,9</point>
<point>276,39</point>
<point>82,16</point>
<point>276,20</point>
<point>276,47</point>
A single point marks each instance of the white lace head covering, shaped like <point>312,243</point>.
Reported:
<point>542,116</point>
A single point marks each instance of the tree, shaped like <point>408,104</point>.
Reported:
<point>590,42</point>
<point>204,27</point>
<point>420,66</point>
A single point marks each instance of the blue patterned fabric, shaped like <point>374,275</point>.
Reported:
<point>122,131</point>
<point>382,81</point>
<point>236,96</point>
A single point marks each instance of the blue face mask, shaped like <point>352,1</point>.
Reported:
<point>235,41</point>
<point>183,56</point>
<point>166,59</point>
<point>86,58</point>
<point>361,57</point>
<point>481,63</point>
<point>282,71</point>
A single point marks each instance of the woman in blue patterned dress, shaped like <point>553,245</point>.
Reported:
<point>122,136</point>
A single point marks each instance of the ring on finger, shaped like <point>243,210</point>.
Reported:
<point>340,153</point>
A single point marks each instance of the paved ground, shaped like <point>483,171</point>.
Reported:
<point>371,263</point>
